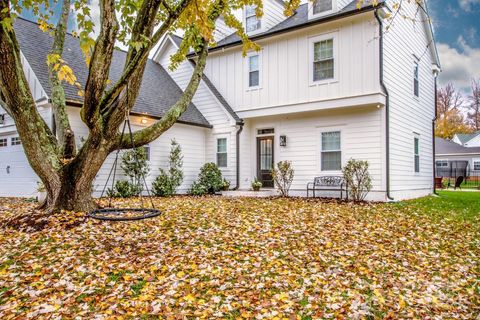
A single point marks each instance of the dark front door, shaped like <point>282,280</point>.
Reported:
<point>265,161</point>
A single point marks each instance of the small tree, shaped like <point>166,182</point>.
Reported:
<point>167,182</point>
<point>357,178</point>
<point>283,176</point>
<point>135,166</point>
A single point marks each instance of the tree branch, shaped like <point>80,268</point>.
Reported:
<point>65,136</point>
<point>151,133</point>
<point>100,65</point>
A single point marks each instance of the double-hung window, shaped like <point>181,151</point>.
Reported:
<point>3,142</point>
<point>15,141</point>
<point>476,164</point>
<point>441,163</point>
<point>416,81</point>
<point>323,60</point>
<point>146,150</point>
<point>222,152</point>
<point>322,6</point>
<point>253,71</point>
<point>331,157</point>
<point>252,23</point>
<point>416,149</point>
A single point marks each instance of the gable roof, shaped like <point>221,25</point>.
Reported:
<point>464,138</point>
<point>300,20</point>
<point>158,91</point>
<point>447,147</point>
<point>178,41</point>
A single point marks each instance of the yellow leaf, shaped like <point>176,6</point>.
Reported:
<point>180,274</point>
<point>189,297</point>
<point>401,303</point>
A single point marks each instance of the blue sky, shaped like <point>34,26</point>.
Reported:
<point>457,32</point>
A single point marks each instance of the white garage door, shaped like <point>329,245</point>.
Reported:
<point>17,178</point>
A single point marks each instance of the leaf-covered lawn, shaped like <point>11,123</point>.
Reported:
<point>241,258</point>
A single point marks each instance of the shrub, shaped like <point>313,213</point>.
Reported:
<point>256,184</point>
<point>167,182</point>
<point>124,189</point>
<point>209,180</point>
<point>135,167</point>
<point>357,178</point>
<point>283,176</point>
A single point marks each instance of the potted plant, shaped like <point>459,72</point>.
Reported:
<point>256,185</point>
<point>225,185</point>
<point>41,192</point>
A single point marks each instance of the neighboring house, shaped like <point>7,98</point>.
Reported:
<point>467,140</point>
<point>325,87</point>
<point>453,160</point>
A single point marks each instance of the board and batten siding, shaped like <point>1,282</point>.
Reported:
<point>223,124</point>
<point>190,138</point>
<point>361,138</point>
<point>405,43</point>
<point>285,69</point>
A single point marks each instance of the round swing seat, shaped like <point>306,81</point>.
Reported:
<point>123,214</point>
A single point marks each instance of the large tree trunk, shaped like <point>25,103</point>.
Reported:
<point>72,190</point>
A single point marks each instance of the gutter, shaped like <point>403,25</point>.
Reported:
<point>239,131</point>
<point>387,108</point>
<point>433,138</point>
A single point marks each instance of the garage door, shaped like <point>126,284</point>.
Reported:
<point>17,178</point>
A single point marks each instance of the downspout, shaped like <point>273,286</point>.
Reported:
<point>239,131</point>
<point>433,137</point>
<point>387,109</point>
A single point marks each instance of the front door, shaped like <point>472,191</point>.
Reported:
<point>265,161</point>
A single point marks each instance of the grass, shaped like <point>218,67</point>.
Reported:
<point>456,205</point>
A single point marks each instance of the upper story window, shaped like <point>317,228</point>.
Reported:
<point>15,141</point>
<point>331,152</point>
<point>416,149</point>
<point>253,71</point>
<point>3,142</point>
<point>323,52</point>
<point>322,6</point>
<point>222,152</point>
<point>416,81</point>
<point>252,23</point>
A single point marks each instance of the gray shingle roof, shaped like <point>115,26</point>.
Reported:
<point>464,138</point>
<point>443,146</point>
<point>299,19</point>
<point>158,91</point>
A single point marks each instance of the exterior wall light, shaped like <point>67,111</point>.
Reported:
<point>283,141</point>
<point>144,121</point>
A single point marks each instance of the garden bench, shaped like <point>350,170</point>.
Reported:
<point>328,183</point>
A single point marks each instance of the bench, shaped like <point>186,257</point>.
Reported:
<point>328,183</point>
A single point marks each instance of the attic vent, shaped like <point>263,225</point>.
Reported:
<point>266,131</point>
<point>2,118</point>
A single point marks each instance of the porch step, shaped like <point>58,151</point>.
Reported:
<point>249,193</point>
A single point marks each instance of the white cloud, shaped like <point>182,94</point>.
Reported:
<point>467,4</point>
<point>459,66</point>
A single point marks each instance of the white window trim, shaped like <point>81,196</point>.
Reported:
<point>319,150</point>
<point>216,150</point>
<point>149,154</point>
<point>473,163</point>
<point>311,15</point>
<point>323,37</point>
<point>247,70</point>
<point>417,136</point>
<point>245,23</point>
<point>416,62</point>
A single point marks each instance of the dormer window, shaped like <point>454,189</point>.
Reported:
<point>252,23</point>
<point>322,6</point>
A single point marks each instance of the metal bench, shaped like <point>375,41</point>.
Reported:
<point>328,183</point>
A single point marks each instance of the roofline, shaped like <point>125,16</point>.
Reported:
<point>432,35</point>
<point>77,104</point>
<point>298,27</point>
<point>456,154</point>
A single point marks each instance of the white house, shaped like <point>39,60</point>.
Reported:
<point>330,83</point>
<point>467,140</point>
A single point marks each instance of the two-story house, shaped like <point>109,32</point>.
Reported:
<point>330,83</point>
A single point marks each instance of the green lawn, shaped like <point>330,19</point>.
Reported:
<point>457,205</point>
